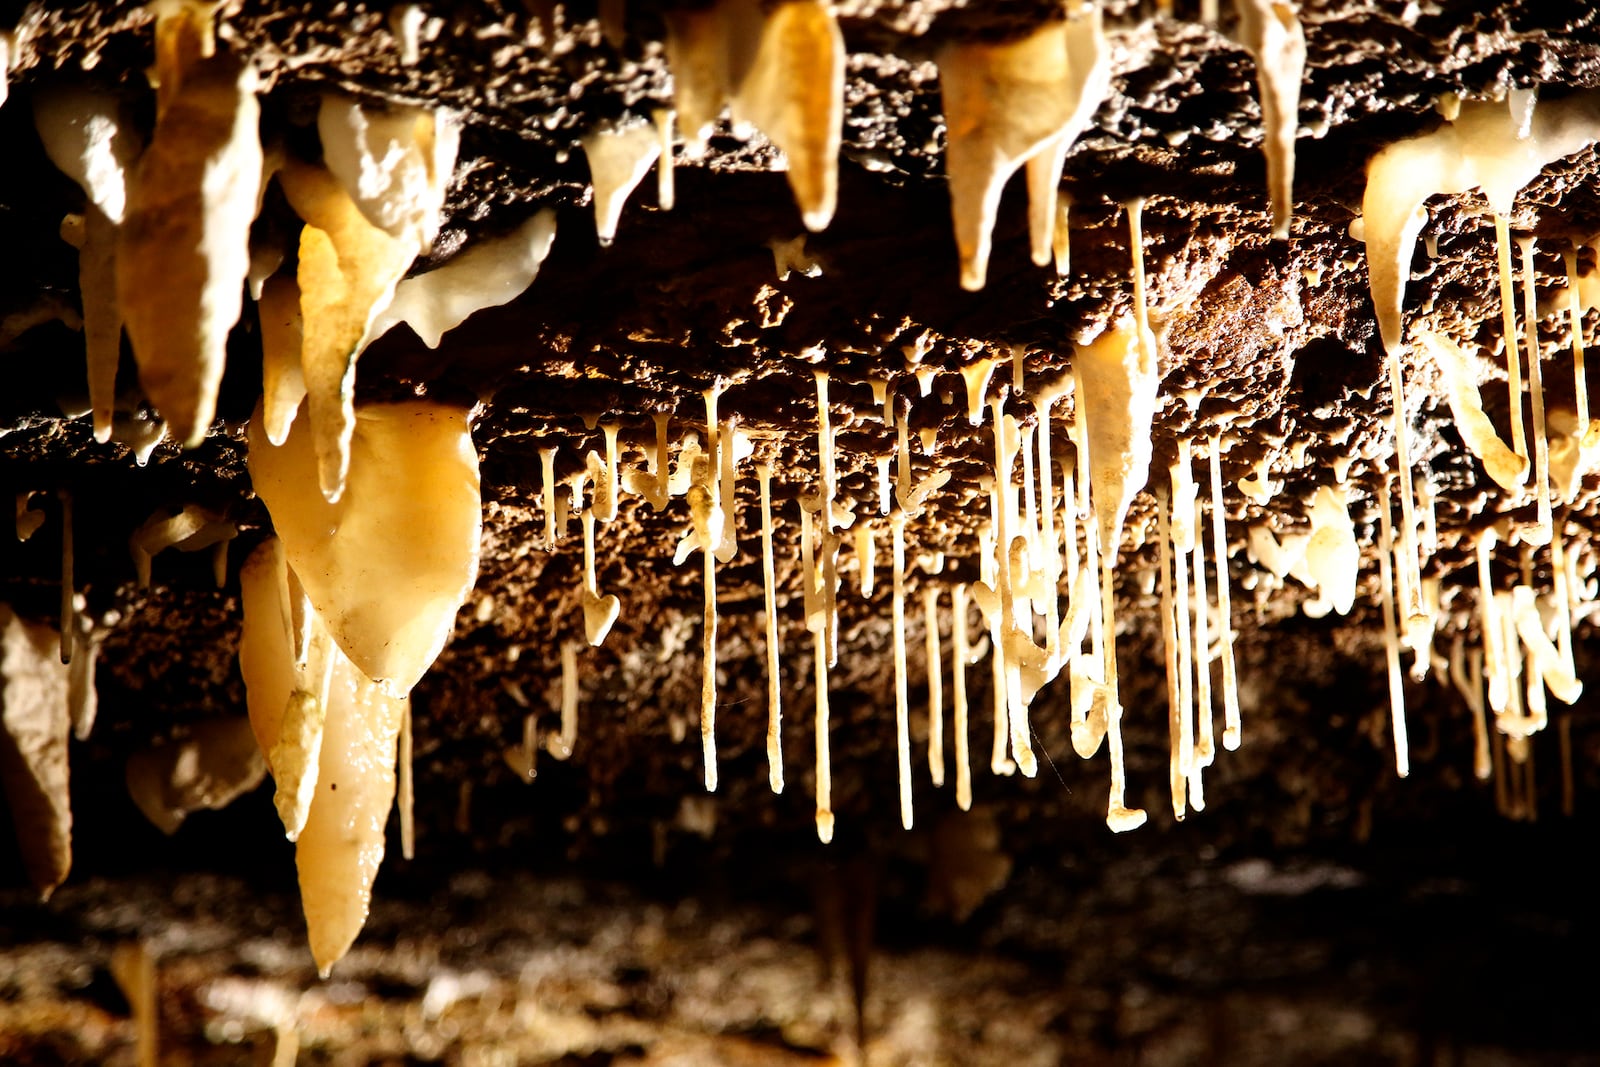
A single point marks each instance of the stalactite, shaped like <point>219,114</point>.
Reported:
<point>1177,771</point>
<point>1541,531</point>
<point>774,680</point>
<point>1508,318</point>
<point>902,712</point>
<point>1391,641</point>
<point>930,626</point>
<point>961,654</point>
<point>1580,381</point>
<point>1205,748</point>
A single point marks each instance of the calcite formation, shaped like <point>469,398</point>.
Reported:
<point>1187,402</point>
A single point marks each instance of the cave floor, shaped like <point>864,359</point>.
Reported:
<point>1406,949</point>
